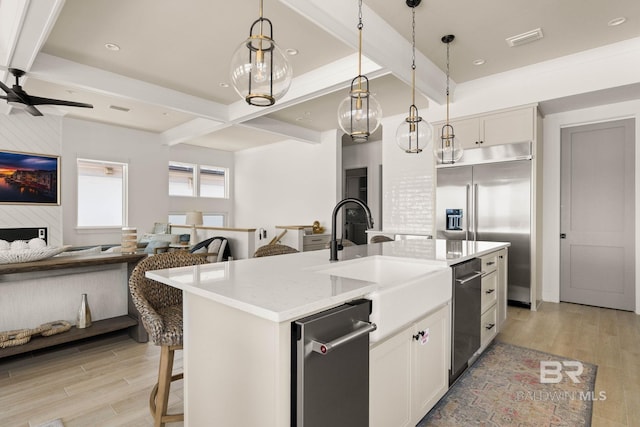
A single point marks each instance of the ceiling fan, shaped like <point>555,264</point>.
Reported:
<point>18,98</point>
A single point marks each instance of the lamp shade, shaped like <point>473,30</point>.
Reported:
<point>260,73</point>
<point>414,134</point>
<point>359,114</point>
<point>194,218</point>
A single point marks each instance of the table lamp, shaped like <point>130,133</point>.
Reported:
<point>194,218</point>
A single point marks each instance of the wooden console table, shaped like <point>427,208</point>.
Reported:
<point>61,266</point>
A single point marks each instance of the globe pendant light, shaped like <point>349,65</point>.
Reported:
<point>449,150</point>
<point>359,113</point>
<point>260,73</point>
<point>413,134</point>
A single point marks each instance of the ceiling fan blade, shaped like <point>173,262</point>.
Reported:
<point>33,110</point>
<point>36,100</point>
<point>5,87</point>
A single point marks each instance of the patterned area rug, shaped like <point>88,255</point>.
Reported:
<point>505,387</point>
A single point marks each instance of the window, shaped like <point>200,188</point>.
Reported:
<point>182,178</point>
<point>102,193</point>
<point>213,182</point>
<point>208,220</point>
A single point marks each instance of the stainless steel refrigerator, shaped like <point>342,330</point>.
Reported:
<point>487,196</point>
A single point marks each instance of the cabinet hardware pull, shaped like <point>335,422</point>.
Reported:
<point>491,262</point>
<point>469,278</point>
<point>323,348</point>
<point>489,326</point>
<point>417,336</point>
<point>501,257</point>
<point>489,291</point>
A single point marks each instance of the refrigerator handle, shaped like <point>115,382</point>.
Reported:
<point>475,212</point>
<point>466,228</point>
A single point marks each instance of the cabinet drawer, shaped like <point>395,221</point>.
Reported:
<point>488,326</point>
<point>314,242</point>
<point>489,290</point>
<point>489,262</point>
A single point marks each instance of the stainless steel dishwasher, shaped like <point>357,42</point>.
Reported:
<point>465,322</point>
<point>330,367</point>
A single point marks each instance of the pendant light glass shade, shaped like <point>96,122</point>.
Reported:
<point>260,72</point>
<point>413,134</point>
<point>359,114</point>
<point>449,150</point>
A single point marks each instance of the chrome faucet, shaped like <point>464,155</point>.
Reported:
<point>333,244</point>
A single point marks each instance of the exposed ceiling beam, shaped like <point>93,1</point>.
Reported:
<point>286,130</point>
<point>33,21</point>
<point>323,80</point>
<point>381,43</point>
<point>193,129</point>
<point>61,71</point>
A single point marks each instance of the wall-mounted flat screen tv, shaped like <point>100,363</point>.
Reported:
<point>27,178</point>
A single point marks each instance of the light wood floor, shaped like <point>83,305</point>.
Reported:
<point>607,338</point>
<point>106,382</point>
<point>100,383</point>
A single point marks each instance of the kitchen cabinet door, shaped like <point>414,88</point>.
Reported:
<point>390,382</point>
<point>430,360</point>
<point>409,372</point>
<point>466,131</point>
<point>508,127</point>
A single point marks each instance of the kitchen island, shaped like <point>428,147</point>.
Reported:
<point>237,322</point>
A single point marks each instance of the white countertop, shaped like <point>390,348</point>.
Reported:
<point>285,287</point>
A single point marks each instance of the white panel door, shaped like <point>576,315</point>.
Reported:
<point>597,250</point>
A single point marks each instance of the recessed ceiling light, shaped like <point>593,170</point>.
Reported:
<point>479,61</point>
<point>617,21</point>
<point>112,46</point>
<point>223,84</point>
<point>292,52</point>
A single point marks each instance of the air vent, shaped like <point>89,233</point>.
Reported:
<point>524,38</point>
<point>115,107</point>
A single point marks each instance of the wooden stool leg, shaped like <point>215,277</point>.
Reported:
<point>159,399</point>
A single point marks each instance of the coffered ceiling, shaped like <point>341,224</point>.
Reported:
<point>171,72</point>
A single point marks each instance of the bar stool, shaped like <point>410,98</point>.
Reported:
<point>160,308</point>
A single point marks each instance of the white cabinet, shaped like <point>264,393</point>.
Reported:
<point>408,373</point>
<point>502,276</point>
<point>494,296</point>
<point>503,127</point>
<point>314,242</point>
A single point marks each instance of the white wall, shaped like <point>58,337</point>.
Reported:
<point>148,161</point>
<point>203,156</point>
<point>407,184</point>
<point>20,131</point>
<point>553,125</point>
<point>610,66</point>
<point>287,183</point>
<point>148,175</point>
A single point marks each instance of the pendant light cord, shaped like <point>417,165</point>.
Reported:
<point>448,84</point>
<point>360,43</point>
<point>413,56</point>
